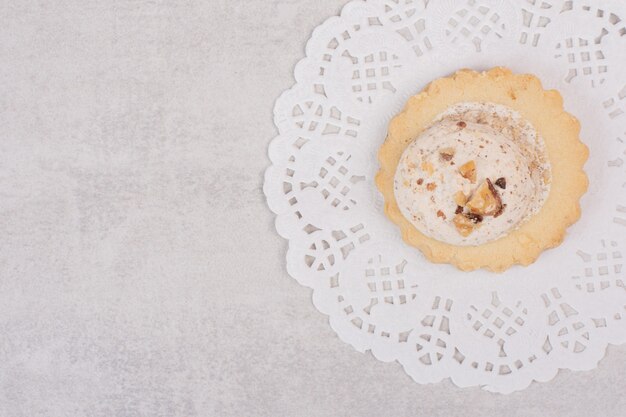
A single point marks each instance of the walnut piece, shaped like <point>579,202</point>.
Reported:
<point>460,199</point>
<point>501,182</point>
<point>485,201</point>
<point>468,170</point>
<point>500,211</point>
<point>475,218</point>
<point>447,154</point>
<point>465,225</point>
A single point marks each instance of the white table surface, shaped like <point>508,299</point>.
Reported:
<point>140,273</point>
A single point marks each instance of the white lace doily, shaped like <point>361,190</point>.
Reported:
<point>499,331</point>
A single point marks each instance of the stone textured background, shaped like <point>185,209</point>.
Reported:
<point>140,273</point>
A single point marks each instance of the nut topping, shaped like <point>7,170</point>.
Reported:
<point>431,186</point>
<point>485,201</point>
<point>447,154</point>
<point>440,214</point>
<point>468,170</point>
<point>474,218</point>
<point>501,182</point>
<point>461,124</point>
<point>460,199</point>
<point>500,211</point>
<point>465,225</point>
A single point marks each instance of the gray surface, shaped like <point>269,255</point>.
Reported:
<point>140,273</point>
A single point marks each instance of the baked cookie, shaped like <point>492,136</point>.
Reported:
<point>483,170</point>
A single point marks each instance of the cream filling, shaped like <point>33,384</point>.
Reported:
<point>501,144</point>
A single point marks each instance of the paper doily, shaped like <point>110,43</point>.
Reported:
<point>498,331</point>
